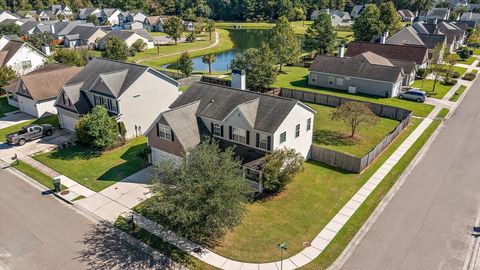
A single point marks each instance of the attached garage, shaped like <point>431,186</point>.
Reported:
<point>157,156</point>
<point>67,122</point>
<point>27,105</point>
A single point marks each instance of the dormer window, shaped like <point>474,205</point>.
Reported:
<point>164,132</point>
<point>66,100</point>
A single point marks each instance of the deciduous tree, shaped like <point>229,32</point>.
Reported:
<point>10,29</point>
<point>6,74</point>
<point>174,28</point>
<point>368,25</point>
<point>97,129</point>
<point>70,57</point>
<point>280,167</point>
<point>116,49</point>
<point>389,17</point>
<point>284,43</point>
<point>355,114</point>
<point>185,64</point>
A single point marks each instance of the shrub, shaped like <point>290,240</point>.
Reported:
<point>469,76</point>
<point>463,53</point>
<point>97,129</point>
<point>455,75</point>
<point>422,73</point>
<point>449,81</point>
<point>279,169</point>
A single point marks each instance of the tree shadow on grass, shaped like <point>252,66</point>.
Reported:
<point>133,163</point>
<point>329,137</point>
<point>107,248</point>
<point>75,152</point>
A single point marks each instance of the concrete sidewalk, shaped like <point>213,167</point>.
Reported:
<point>14,118</point>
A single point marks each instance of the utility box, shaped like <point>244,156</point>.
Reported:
<point>57,184</point>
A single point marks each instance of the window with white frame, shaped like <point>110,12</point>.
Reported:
<point>217,130</point>
<point>263,141</point>
<point>309,124</point>
<point>297,130</point>
<point>283,137</point>
<point>164,132</point>
<point>313,78</point>
<point>331,80</point>
<point>239,135</point>
<point>26,64</point>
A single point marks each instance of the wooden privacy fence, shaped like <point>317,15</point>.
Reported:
<point>345,161</point>
<point>173,74</point>
<point>218,81</point>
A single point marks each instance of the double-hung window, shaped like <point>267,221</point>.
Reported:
<point>297,130</point>
<point>108,103</point>
<point>26,64</point>
<point>164,132</point>
<point>309,124</point>
<point>283,137</point>
<point>263,141</point>
<point>239,135</point>
<point>217,130</point>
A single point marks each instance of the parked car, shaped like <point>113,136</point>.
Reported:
<point>29,133</point>
<point>413,94</point>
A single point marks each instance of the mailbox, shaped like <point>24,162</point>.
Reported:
<point>57,184</point>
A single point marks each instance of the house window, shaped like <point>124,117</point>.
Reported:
<point>331,80</point>
<point>297,130</point>
<point>217,130</point>
<point>108,103</point>
<point>314,78</point>
<point>26,64</point>
<point>164,132</point>
<point>309,124</point>
<point>283,137</point>
<point>239,135</point>
<point>339,81</point>
<point>263,141</point>
<point>66,100</point>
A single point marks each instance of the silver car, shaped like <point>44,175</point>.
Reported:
<point>413,94</point>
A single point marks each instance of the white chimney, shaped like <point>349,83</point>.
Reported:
<point>239,79</point>
<point>384,37</point>
<point>341,51</point>
<point>46,49</point>
<point>52,28</point>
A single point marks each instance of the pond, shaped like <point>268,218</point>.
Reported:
<point>243,39</point>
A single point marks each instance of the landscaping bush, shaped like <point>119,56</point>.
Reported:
<point>455,75</point>
<point>469,76</point>
<point>97,129</point>
<point>422,73</point>
<point>449,81</point>
<point>279,169</point>
<point>464,53</point>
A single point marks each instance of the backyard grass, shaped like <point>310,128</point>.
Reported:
<point>458,93</point>
<point>161,246</point>
<point>334,134</point>
<point>443,113</point>
<point>95,170</point>
<point>427,86</point>
<point>34,174</point>
<point>297,78</point>
<point>5,107</point>
<point>346,234</point>
<point>297,214</point>
<point>52,120</point>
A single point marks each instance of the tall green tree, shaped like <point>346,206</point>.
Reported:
<point>209,59</point>
<point>389,17</point>
<point>6,74</point>
<point>204,197</point>
<point>210,28</point>
<point>70,57</point>
<point>259,65</point>
<point>97,129</point>
<point>10,29</point>
<point>174,28</point>
<point>37,40</point>
<point>320,36</point>
<point>115,49</point>
<point>185,64</point>
<point>93,19</point>
<point>436,65</point>
<point>284,43</point>
<point>368,25</point>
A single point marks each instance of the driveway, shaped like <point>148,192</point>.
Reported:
<point>13,118</point>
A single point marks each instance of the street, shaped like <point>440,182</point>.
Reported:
<point>39,232</point>
<point>429,221</point>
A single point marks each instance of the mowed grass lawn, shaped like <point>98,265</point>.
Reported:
<point>335,134</point>
<point>52,120</point>
<point>467,61</point>
<point>427,86</point>
<point>93,170</point>
<point>5,107</point>
<point>297,78</point>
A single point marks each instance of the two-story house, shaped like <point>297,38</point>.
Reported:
<point>134,94</point>
<point>84,13</point>
<point>111,15</point>
<point>20,56</point>
<point>255,123</point>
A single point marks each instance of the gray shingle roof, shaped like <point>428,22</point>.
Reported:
<point>217,102</point>
<point>83,32</point>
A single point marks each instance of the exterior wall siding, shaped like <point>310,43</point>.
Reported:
<point>174,147</point>
<point>26,54</point>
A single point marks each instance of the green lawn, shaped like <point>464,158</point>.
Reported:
<point>298,213</point>
<point>161,246</point>
<point>458,93</point>
<point>427,86</point>
<point>34,174</point>
<point>96,170</point>
<point>334,134</point>
<point>474,71</point>
<point>297,78</point>
<point>5,107</point>
<point>460,70</point>
<point>476,51</point>
<point>52,120</point>
<point>467,61</point>
<point>443,113</point>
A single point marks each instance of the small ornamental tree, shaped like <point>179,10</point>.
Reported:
<point>6,74</point>
<point>93,19</point>
<point>174,28</point>
<point>464,53</point>
<point>185,64</point>
<point>355,114</point>
<point>279,168</point>
<point>138,46</point>
<point>97,129</point>
<point>115,49</point>
<point>203,197</point>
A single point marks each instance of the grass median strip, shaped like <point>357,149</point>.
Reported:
<point>34,174</point>
<point>161,246</point>
<point>443,113</point>
<point>458,93</point>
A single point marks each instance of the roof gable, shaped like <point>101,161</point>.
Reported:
<point>416,53</point>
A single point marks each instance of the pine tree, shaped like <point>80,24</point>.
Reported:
<point>320,36</point>
<point>284,43</point>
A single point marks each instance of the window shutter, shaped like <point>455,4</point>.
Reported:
<point>248,137</point>
<point>173,135</point>
<point>211,128</point>
<point>158,131</point>
<point>221,130</point>
<point>230,132</point>
<point>257,144</point>
<point>269,143</point>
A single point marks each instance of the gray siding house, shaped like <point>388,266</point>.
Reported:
<point>367,73</point>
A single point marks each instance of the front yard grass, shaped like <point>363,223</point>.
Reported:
<point>297,78</point>
<point>427,86</point>
<point>443,113</point>
<point>34,174</point>
<point>5,107</point>
<point>467,61</point>
<point>458,93</point>
<point>94,170</point>
<point>296,215</point>
<point>52,120</point>
<point>334,134</point>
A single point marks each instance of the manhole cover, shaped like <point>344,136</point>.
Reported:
<point>65,192</point>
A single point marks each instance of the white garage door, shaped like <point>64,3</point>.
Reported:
<point>68,122</point>
<point>159,156</point>
<point>28,107</point>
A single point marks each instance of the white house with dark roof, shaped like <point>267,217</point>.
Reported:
<point>4,15</point>
<point>134,94</point>
<point>255,123</point>
<point>111,15</point>
<point>129,37</point>
<point>84,13</point>
<point>20,56</point>
<point>83,36</point>
<point>339,18</point>
<point>434,14</point>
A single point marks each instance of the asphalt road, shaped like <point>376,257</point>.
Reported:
<point>427,224</point>
<point>39,232</point>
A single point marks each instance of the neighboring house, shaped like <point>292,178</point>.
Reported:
<point>83,36</point>
<point>136,25</point>
<point>20,56</point>
<point>84,13</point>
<point>456,4</point>
<point>136,17</point>
<point>59,29</point>
<point>29,26</point>
<point>133,94</point>
<point>406,15</point>
<point>366,73</point>
<point>405,52</point>
<point>35,93</point>
<point>255,124</point>
<point>409,35</point>
<point>338,18</point>
<point>129,37</point>
<point>434,14</point>
<point>358,9</point>
<point>470,16</point>
<point>155,23</point>
<point>4,15</point>
<point>188,26</point>
<point>456,33</point>
<point>111,15</point>
<point>61,9</point>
